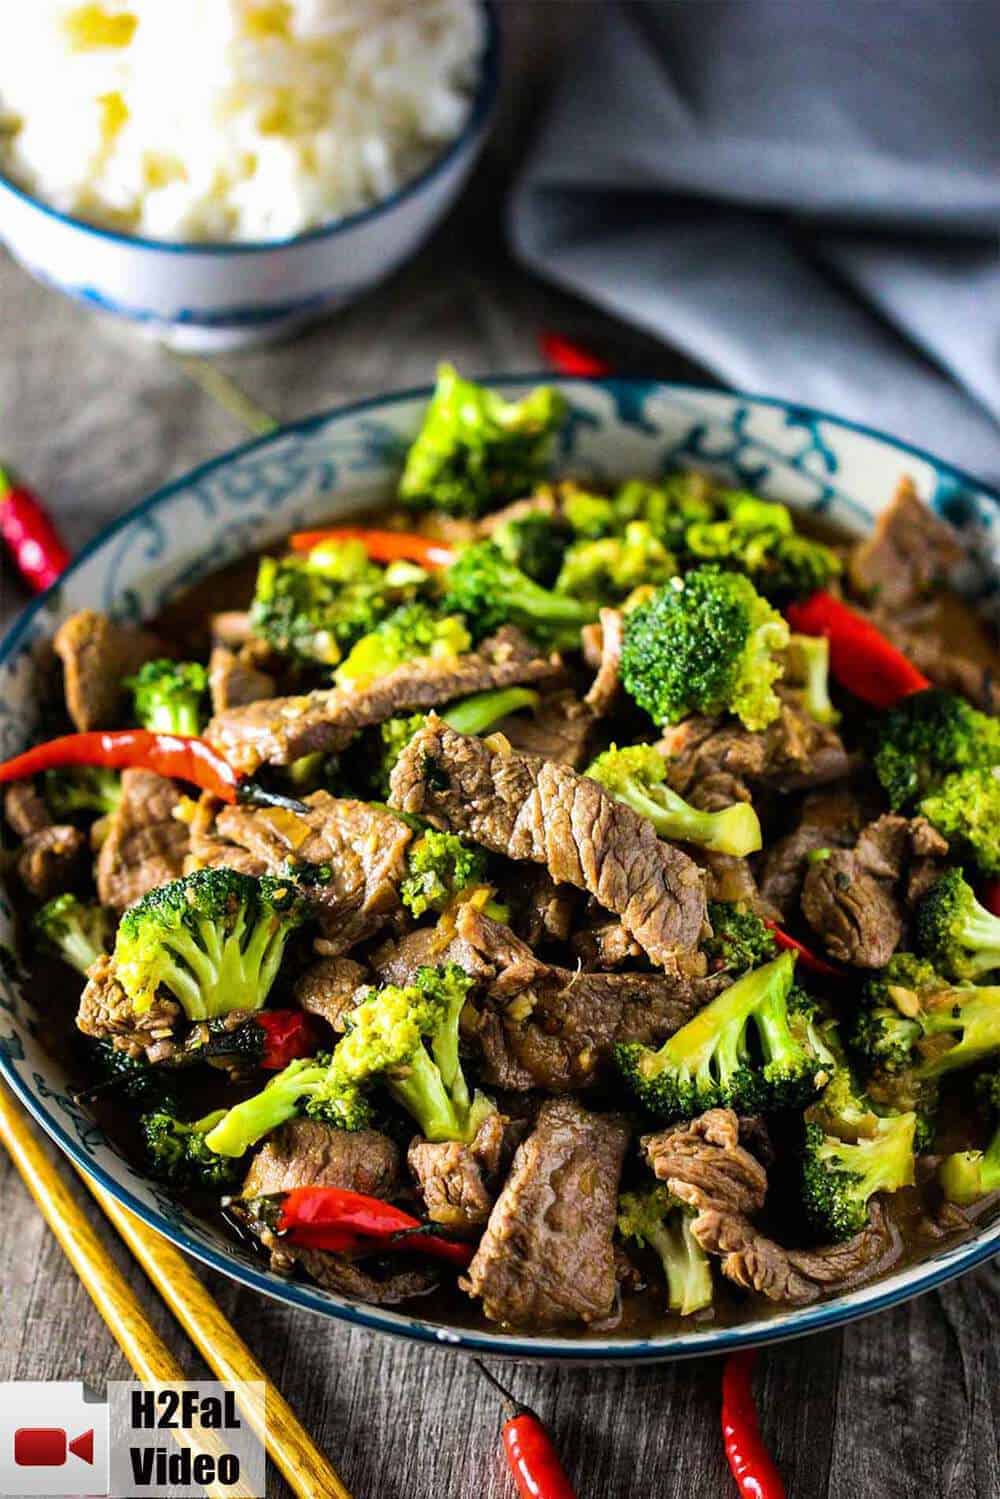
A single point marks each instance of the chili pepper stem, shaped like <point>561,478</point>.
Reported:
<point>511,1406</point>
<point>249,794</point>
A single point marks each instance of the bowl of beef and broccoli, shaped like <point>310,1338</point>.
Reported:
<point>518,864</point>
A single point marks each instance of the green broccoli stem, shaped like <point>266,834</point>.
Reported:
<point>476,714</point>
<point>973,1013</point>
<point>685,1264</point>
<point>174,716</point>
<point>970,1174</point>
<point>733,830</point>
<point>808,663</point>
<point>245,1123</point>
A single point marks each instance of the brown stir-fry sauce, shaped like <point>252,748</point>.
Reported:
<point>634,938</point>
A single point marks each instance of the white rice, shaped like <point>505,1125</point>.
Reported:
<point>229,119</point>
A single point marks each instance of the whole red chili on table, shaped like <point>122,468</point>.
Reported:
<point>749,1460</point>
<point>861,658</point>
<point>176,756</point>
<point>529,1450</point>
<point>31,535</point>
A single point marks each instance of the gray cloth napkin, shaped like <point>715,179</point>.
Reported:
<point>804,195</point>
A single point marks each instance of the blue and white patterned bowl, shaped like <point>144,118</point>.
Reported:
<point>209,298</point>
<point>329,465</point>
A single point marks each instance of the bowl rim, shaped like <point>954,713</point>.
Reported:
<point>481,109</point>
<point>790,1323</point>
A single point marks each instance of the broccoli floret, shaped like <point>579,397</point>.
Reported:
<point>954,932</point>
<point>739,939</point>
<point>87,788</point>
<point>535,543</point>
<point>759,539</point>
<point>179,1153</point>
<point>840,1175</point>
<point>705,644</point>
<point>655,1218</point>
<point>213,939</point>
<point>310,1085</point>
<point>411,632</point>
<point>79,933</point>
<point>970,1174</point>
<point>491,592</point>
<point>928,736</point>
<point>711,1061</point>
<point>407,1038</point>
<point>475,449</point>
<point>965,809</point>
<point>169,696</point>
<point>637,775</point>
<point>807,665</point>
<point>314,608</point>
<point>472,715</point>
<point>669,507</point>
<point>439,866</point>
<point>587,515</point>
<point>914,1020</point>
<point>613,566</point>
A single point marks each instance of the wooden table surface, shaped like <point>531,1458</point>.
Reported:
<point>898,1406</point>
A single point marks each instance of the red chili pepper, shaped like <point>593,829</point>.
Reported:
<point>861,658</point>
<point>749,1461</point>
<point>315,1217</point>
<point>529,1450</point>
<point>177,756</point>
<point>806,957</point>
<point>570,358</point>
<point>288,1035</point>
<point>31,535</point>
<point>990,896</point>
<point>172,755</point>
<point>381,546</point>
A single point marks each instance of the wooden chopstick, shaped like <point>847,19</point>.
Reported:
<point>289,1444</point>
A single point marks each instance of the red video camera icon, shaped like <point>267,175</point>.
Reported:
<point>47,1446</point>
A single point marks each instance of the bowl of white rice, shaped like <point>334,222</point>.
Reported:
<point>220,172</point>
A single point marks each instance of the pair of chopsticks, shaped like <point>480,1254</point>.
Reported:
<point>287,1441</point>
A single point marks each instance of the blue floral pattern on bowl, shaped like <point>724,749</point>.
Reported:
<point>330,465</point>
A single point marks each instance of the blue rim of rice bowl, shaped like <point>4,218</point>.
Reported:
<point>482,106</point>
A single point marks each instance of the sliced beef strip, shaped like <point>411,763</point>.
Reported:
<point>309,1153</point>
<point>705,1165</point>
<point>282,729</point>
<point>542,910</point>
<point>327,988</point>
<point>606,686</point>
<point>50,861</point>
<point>856,900</point>
<point>231,628</point>
<point>208,850</point>
<point>604,945</point>
<point>792,754</point>
<point>549,1027</point>
<point>909,553</point>
<point>546,1257</point>
<point>561,728</point>
<point>829,819</point>
<point>145,845</point>
<point>25,809</point>
<point>96,654</point>
<point>458,1182</point>
<point>941,663</point>
<point>234,680</point>
<point>539,811</point>
<point>358,1281</point>
<point>107,1013</point>
<point>363,846</point>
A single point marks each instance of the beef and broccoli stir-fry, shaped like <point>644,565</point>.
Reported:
<point>577,905</point>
